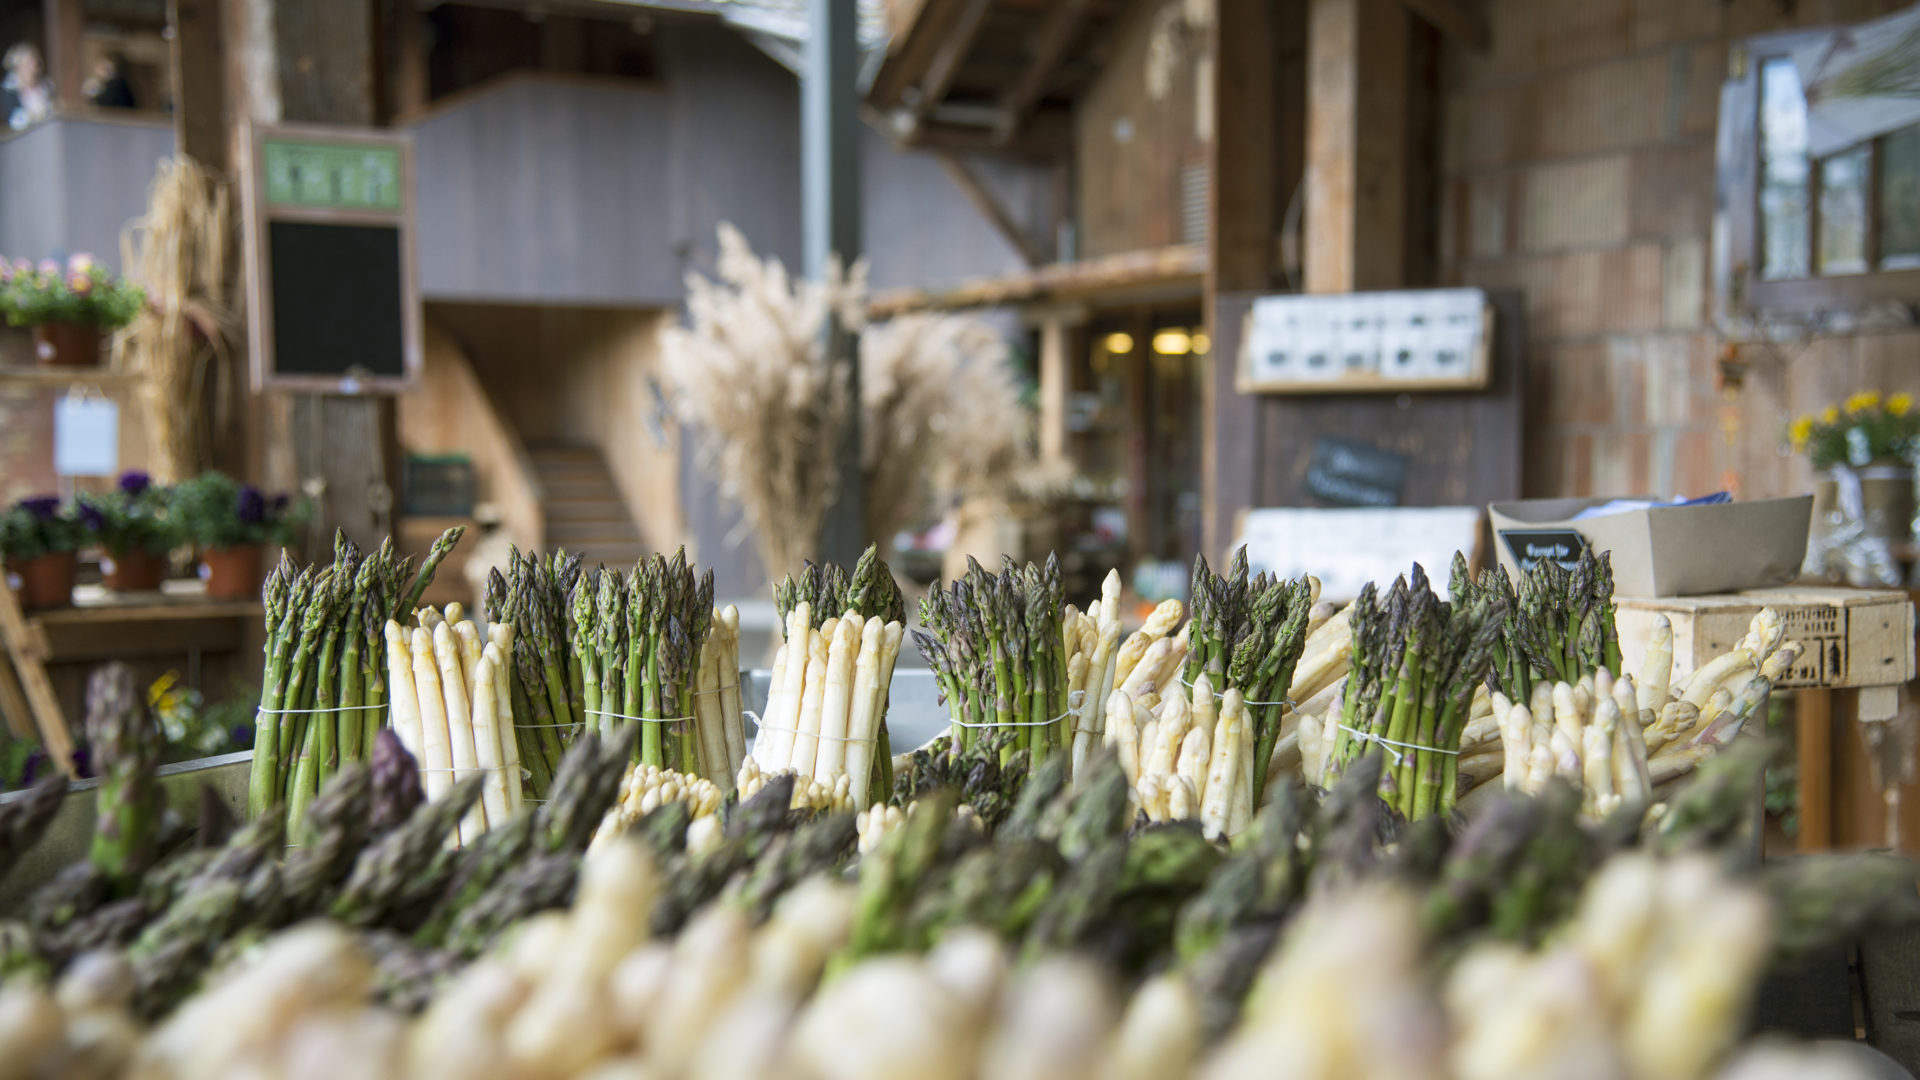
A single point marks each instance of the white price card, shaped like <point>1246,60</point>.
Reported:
<point>86,436</point>
<point>1347,548</point>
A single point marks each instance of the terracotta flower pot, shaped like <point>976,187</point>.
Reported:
<point>45,582</point>
<point>135,570</point>
<point>67,344</point>
<point>231,573</point>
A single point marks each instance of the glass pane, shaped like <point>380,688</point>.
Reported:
<point>1843,211</point>
<point>1900,199</point>
<point>1783,171</point>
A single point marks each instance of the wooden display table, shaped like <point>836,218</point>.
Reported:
<point>178,620</point>
<point>1859,655</point>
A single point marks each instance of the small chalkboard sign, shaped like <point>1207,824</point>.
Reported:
<point>1354,474</point>
<point>333,300</point>
<point>1533,546</point>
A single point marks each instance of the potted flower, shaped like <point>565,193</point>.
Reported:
<point>133,528</point>
<point>37,542</point>
<point>229,523</point>
<point>1865,445</point>
<point>68,306</point>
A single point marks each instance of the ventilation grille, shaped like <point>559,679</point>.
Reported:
<point>1193,202</point>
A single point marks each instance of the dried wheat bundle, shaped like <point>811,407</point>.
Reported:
<point>752,373</point>
<point>179,252</point>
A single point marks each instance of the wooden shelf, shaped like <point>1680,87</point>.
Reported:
<point>66,376</point>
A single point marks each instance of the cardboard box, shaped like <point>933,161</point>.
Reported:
<point>1851,637</point>
<point>1665,550</point>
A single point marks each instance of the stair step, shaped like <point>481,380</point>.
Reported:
<point>567,487</point>
<point>582,511</point>
<point>574,536</point>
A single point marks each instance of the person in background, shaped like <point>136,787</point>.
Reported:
<point>26,97</point>
<point>108,88</point>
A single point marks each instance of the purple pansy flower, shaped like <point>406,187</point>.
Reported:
<point>252,508</point>
<point>133,482</point>
<point>41,506</point>
<point>91,518</point>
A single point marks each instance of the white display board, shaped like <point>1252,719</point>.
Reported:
<point>1345,549</point>
<point>1433,339</point>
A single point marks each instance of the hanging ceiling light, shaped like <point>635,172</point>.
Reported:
<point>1172,341</point>
<point>1119,344</point>
<point>1201,342</point>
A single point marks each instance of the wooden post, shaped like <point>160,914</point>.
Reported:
<point>66,55</point>
<point>1356,194</point>
<point>1056,384</point>
<point>1813,711</point>
<point>199,83</point>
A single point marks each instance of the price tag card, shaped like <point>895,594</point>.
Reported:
<point>86,436</point>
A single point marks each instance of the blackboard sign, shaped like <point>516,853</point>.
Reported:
<point>1354,474</point>
<point>1531,546</point>
<point>333,302</point>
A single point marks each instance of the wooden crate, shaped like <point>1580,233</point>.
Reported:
<point>1853,637</point>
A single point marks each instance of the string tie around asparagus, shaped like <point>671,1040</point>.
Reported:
<point>1073,710</point>
<point>1368,736</point>
<point>1288,702</point>
<point>759,725</point>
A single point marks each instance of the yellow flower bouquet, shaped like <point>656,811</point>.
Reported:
<point>1867,428</point>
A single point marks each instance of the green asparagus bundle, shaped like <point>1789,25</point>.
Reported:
<point>1416,660</point>
<point>827,704</point>
<point>548,712</point>
<point>323,696</point>
<point>1558,623</point>
<point>997,646</point>
<point>1247,635</point>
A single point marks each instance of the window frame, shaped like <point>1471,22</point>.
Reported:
<point>1739,289</point>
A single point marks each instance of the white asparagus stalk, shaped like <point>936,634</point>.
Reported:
<point>836,703</point>
<point>1196,757</point>
<point>502,645</point>
<point>1675,718</point>
<point>453,694</point>
<point>1656,671</point>
<point>1079,706</point>
<point>1123,734</point>
<point>709,742</point>
<point>784,716</point>
<point>1216,805</point>
<point>1517,735</point>
<point>1175,718</point>
<point>733,728</point>
<point>1307,732</point>
<point>427,618</point>
<point>1702,684</point>
<point>1204,712</point>
<point>1539,768</point>
<point>1240,808</point>
<point>863,724</point>
<point>805,746</point>
<point>486,739</point>
<point>1180,802</point>
<point>436,759</point>
<point>763,745</point>
<point>468,646</point>
<point>1149,794</point>
<point>403,706</point>
<point>1597,752</point>
<point>1567,712</point>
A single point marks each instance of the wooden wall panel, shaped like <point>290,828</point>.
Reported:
<point>73,184</point>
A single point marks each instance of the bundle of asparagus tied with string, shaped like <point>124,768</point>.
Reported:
<point>1416,663</point>
<point>324,691</point>
<point>544,689</point>
<point>1559,622</point>
<point>827,706</point>
<point>640,640</point>
<point>998,645</point>
<point>449,694</point>
<point>1247,634</point>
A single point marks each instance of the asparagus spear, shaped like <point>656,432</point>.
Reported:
<point>126,745</point>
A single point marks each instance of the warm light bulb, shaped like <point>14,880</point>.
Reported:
<point>1119,343</point>
<point>1201,342</point>
<point>1172,342</point>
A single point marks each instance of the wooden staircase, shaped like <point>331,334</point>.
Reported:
<point>583,508</point>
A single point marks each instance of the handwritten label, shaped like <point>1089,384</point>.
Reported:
<point>1530,546</point>
<point>1354,474</point>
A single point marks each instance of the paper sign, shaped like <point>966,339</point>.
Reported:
<point>1345,549</point>
<point>86,436</point>
<point>1425,337</point>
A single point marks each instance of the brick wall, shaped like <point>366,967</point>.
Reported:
<point>1578,165</point>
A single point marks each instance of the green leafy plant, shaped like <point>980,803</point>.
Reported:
<point>214,511</point>
<point>38,526</point>
<point>1866,429</point>
<point>133,516</point>
<point>82,291</point>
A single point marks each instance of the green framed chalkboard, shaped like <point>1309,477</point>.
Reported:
<point>333,299</point>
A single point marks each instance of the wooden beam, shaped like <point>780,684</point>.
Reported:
<point>1049,48</point>
<point>1356,190</point>
<point>990,208</point>
<point>1461,20</point>
<point>1171,269</point>
<point>1813,719</point>
<point>949,56</point>
<point>199,83</point>
<point>66,55</point>
<point>412,84</point>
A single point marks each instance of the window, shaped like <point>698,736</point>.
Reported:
<point>1801,234</point>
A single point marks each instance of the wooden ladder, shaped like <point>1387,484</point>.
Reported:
<point>26,694</point>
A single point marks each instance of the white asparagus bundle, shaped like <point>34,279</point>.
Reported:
<point>836,699</point>
<point>502,635</point>
<point>459,715</point>
<point>436,758</point>
<point>486,738</point>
